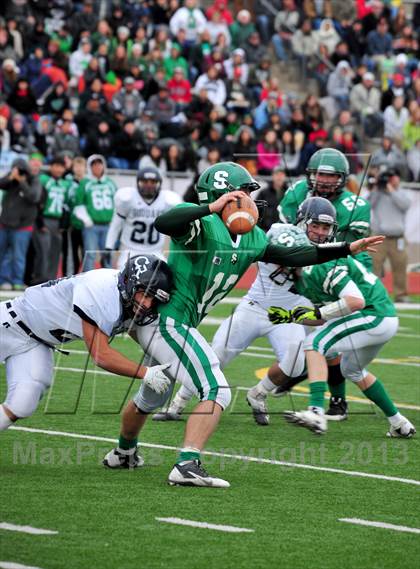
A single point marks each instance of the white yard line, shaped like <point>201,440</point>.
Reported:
<point>230,456</point>
<point>204,525</point>
<point>12,565</point>
<point>382,525</point>
<point>27,529</point>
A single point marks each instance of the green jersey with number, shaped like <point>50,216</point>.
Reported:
<point>353,213</point>
<point>98,197</point>
<point>324,283</point>
<point>56,195</point>
<point>206,265</point>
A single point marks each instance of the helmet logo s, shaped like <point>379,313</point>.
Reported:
<point>140,264</point>
<point>220,179</point>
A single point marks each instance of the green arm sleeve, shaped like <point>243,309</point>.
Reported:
<point>301,256</point>
<point>176,221</point>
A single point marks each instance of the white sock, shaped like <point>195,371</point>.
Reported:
<point>5,420</point>
<point>265,385</point>
<point>395,419</point>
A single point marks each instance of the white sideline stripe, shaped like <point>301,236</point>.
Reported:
<point>382,525</point>
<point>27,529</point>
<point>225,455</point>
<point>12,565</point>
<point>204,525</point>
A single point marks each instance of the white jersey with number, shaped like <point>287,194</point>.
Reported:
<point>54,311</point>
<point>133,221</point>
<point>273,286</point>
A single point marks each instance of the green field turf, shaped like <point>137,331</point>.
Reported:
<point>107,519</point>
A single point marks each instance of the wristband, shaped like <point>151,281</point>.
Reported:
<point>335,310</point>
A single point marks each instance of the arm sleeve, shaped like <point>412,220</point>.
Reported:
<point>401,200</point>
<point>32,190</point>
<point>114,230</point>
<point>176,221</point>
<point>301,256</point>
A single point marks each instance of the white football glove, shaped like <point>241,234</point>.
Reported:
<point>156,379</point>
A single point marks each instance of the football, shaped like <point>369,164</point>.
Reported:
<point>240,215</point>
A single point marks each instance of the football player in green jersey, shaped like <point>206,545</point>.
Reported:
<point>206,261</point>
<point>326,176</point>
<point>356,318</point>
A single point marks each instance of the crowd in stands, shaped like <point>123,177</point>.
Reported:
<point>179,86</point>
<point>131,79</point>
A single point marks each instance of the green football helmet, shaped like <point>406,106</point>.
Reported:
<point>327,161</point>
<point>222,178</point>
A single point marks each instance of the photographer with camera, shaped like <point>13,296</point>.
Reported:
<point>19,210</point>
<point>389,207</point>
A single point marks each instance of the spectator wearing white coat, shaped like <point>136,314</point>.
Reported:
<point>339,84</point>
<point>365,104</point>
<point>215,87</point>
<point>188,18</point>
<point>395,117</point>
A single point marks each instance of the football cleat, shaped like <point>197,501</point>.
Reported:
<point>191,473</point>
<point>309,419</point>
<point>337,411</point>
<point>257,402</point>
<point>120,459</point>
<point>279,392</point>
<point>404,429</point>
<point>167,416</point>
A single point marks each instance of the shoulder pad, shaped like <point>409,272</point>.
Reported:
<point>171,198</point>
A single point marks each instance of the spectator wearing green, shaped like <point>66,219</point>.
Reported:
<point>47,238</point>
<point>241,29</point>
<point>174,60</point>
<point>94,206</point>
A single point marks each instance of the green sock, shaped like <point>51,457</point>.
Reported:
<point>127,444</point>
<point>377,393</point>
<point>317,390</point>
<point>336,382</point>
<point>188,454</point>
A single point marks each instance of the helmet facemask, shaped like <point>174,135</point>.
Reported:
<point>325,189</point>
<point>147,274</point>
<point>149,182</point>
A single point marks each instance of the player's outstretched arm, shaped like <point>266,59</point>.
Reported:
<point>301,256</point>
<point>107,358</point>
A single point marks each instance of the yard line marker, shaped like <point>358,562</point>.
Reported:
<point>226,455</point>
<point>27,529</point>
<point>12,565</point>
<point>382,525</point>
<point>204,525</point>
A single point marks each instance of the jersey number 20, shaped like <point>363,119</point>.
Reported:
<point>144,234</point>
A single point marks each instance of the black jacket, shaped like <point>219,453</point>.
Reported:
<point>19,205</point>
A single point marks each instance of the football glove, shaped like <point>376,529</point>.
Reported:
<point>156,379</point>
<point>300,313</point>
<point>278,315</point>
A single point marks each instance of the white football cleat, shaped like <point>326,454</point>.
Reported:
<point>315,422</point>
<point>404,429</point>
<point>116,458</point>
<point>191,473</point>
<point>167,416</point>
<point>258,403</point>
